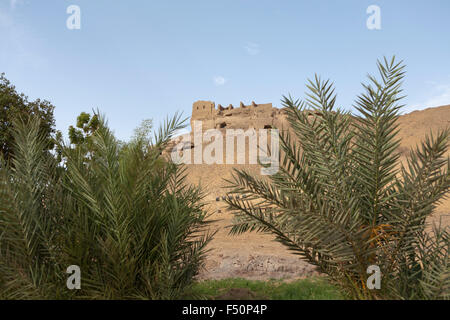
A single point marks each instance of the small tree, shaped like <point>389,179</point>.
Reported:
<point>143,132</point>
<point>343,201</point>
<point>85,128</point>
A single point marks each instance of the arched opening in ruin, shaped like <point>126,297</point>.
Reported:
<point>267,126</point>
<point>222,125</point>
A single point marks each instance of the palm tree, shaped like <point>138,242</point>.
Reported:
<point>342,199</point>
<point>29,217</point>
<point>124,215</point>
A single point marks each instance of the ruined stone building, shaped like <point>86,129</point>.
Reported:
<point>258,116</point>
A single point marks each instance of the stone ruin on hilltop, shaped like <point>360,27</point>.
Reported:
<point>240,119</point>
<point>257,116</point>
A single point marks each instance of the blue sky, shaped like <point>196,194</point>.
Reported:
<point>148,59</point>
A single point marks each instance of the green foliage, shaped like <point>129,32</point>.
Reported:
<point>143,132</point>
<point>304,289</point>
<point>125,217</point>
<point>86,126</point>
<point>14,105</point>
<point>29,218</point>
<point>340,201</point>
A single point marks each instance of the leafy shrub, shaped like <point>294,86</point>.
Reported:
<point>123,215</point>
<point>343,201</point>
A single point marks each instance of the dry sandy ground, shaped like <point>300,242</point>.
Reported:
<point>257,256</point>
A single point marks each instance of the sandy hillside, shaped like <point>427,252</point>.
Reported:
<point>257,256</point>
